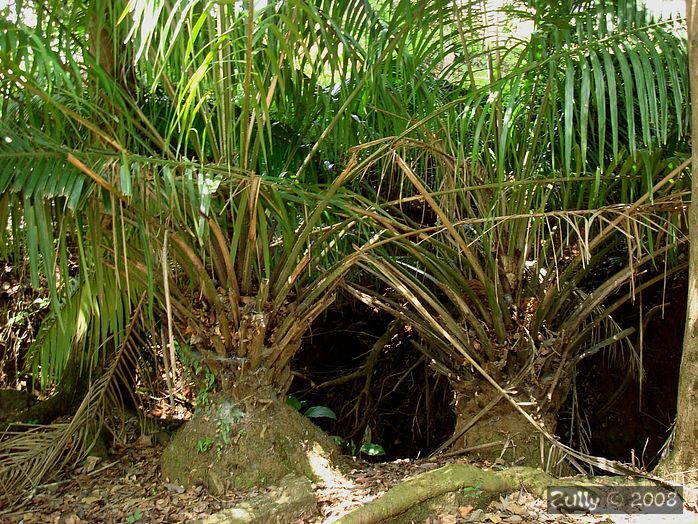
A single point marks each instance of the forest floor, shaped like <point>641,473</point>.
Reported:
<point>127,487</point>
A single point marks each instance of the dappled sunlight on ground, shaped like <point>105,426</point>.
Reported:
<point>127,487</point>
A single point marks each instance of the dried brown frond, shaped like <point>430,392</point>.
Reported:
<point>29,454</point>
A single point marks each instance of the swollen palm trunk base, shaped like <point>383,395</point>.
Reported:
<point>488,428</point>
<point>229,446</point>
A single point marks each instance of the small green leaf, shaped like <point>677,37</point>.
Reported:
<point>204,444</point>
<point>134,517</point>
<point>476,487</point>
<point>320,411</point>
<point>294,402</point>
<point>373,450</point>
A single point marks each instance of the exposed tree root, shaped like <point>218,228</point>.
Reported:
<point>363,404</point>
<point>421,488</point>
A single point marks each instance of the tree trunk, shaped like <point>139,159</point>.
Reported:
<point>231,444</point>
<point>684,456</point>
<point>489,428</point>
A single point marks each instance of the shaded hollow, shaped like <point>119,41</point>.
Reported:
<point>403,405</point>
<point>625,420</point>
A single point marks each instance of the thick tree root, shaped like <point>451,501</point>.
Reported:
<point>421,488</point>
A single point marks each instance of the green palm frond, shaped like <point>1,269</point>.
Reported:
<point>503,271</point>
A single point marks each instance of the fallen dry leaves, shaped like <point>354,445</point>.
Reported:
<point>127,488</point>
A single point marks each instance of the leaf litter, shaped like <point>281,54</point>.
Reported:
<point>127,487</point>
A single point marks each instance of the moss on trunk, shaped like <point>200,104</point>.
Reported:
<point>233,446</point>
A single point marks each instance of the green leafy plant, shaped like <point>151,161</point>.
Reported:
<point>197,156</point>
<point>320,412</point>
<point>372,450</point>
<point>224,433</point>
<point>208,385</point>
<point>294,402</point>
<point>312,411</point>
<point>134,517</point>
<point>472,492</point>
<point>204,444</point>
<point>350,447</point>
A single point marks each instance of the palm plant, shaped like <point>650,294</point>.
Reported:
<point>192,179</point>
<point>553,191</point>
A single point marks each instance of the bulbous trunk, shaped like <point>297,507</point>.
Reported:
<point>237,443</point>
<point>488,427</point>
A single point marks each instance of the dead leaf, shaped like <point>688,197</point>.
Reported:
<point>517,509</point>
<point>174,488</point>
<point>502,505</point>
<point>465,510</point>
<point>90,463</point>
<point>145,441</point>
